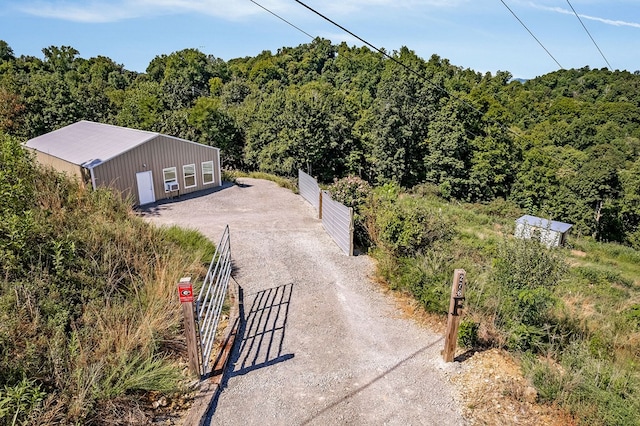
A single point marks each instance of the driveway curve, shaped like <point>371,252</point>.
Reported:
<point>320,342</point>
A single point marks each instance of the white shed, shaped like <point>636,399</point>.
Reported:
<point>549,232</point>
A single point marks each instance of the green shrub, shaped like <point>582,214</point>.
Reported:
<point>524,275</point>
<point>351,191</point>
<point>468,333</point>
<point>598,275</point>
<point>17,401</point>
<point>547,379</point>
<point>18,176</point>
<point>404,226</point>
<point>500,208</point>
<point>354,192</point>
<point>632,315</point>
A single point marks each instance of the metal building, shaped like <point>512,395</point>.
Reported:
<point>145,165</point>
<point>549,232</point>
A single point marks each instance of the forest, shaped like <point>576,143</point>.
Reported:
<point>436,160</point>
<point>563,146</point>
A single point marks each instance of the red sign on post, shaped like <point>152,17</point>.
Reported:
<point>185,290</point>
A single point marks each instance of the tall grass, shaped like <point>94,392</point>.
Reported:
<point>89,315</point>
<point>573,316</point>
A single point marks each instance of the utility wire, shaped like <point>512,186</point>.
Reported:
<point>408,68</point>
<point>535,38</point>
<point>585,28</point>
<point>282,19</point>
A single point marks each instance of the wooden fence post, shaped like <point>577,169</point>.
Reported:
<point>185,290</point>
<point>455,310</point>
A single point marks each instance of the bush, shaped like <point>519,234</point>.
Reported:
<point>351,191</point>
<point>468,333</point>
<point>19,400</point>
<point>412,251</point>
<point>524,275</point>
<point>354,192</point>
<point>404,226</point>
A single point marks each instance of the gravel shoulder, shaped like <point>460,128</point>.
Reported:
<point>320,343</point>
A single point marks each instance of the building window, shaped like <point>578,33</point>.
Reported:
<point>207,172</point>
<point>189,173</point>
<point>170,177</point>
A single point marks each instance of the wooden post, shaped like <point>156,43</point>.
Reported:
<point>320,204</point>
<point>455,310</point>
<point>185,290</point>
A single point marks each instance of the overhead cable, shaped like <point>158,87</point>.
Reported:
<point>408,68</point>
<point>534,37</point>
<point>594,42</point>
<point>282,19</point>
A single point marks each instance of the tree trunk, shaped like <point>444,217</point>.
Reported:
<point>597,216</point>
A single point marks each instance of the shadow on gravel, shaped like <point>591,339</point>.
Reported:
<point>365,386</point>
<point>154,209</point>
<point>263,331</point>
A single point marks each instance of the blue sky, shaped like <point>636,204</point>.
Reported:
<point>479,34</point>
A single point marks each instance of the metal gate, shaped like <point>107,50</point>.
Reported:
<point>211,298</point>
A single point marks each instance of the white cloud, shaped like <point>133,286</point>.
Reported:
<point>614,22</point>
<point>109,11</point>
<point>351,6</point>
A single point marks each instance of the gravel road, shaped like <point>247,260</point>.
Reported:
<point>321,344</point>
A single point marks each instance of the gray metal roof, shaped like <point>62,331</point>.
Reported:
<point>86,142</point>
<point>544,223</point>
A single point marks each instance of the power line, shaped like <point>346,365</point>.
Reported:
<point>406,67</point>
<point>585,28</point>
<point>534,37</point>
<point>282,19</point>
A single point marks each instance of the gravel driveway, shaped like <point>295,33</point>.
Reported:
<point>321,344</point>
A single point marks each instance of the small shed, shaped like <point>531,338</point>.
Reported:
<point>146,166</point>
<point>549,232</point>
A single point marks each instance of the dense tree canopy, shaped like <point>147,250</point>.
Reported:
<point>565,145</point>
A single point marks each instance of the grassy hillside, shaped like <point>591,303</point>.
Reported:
<point>90,324</point>
<point>572,314</point>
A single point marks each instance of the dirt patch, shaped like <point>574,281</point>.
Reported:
<point>493,391</point>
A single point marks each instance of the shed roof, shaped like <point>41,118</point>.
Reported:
<point>544,223</point>
<point>89,143</point>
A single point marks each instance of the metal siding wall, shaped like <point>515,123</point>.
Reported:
<point>58,164</point>
<point>337,220</point>
<point>309,189</point>
<point>157,154</point>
